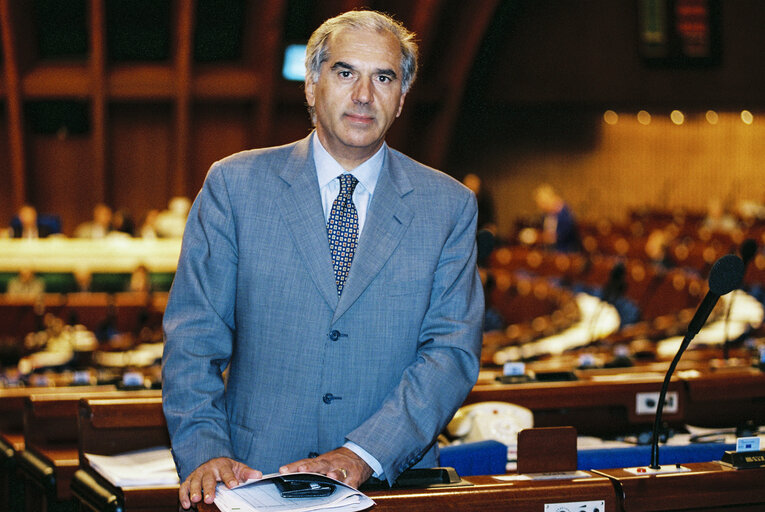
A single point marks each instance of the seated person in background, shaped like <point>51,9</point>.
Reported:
<point>99,226</point>
<point>122,222</point>
<point>559,228</point>
<point>718,220</point>
<point>83,277</point>
<point>140,280</point>
<point>148,227</point>
<point>485,202</point>
<point>171,222</point>
<point>29,225</point>
<point>657,248</point>
<point>26,285</point>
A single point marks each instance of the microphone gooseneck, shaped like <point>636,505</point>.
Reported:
<point>725,276</point>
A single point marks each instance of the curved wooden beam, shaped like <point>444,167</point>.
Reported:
<point>98,101</point>
<point>452,77</point>
<point>15,115</point>
<point>184,38</point>
<point>267,21</point>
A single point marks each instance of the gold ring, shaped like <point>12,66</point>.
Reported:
<point>343,471</point>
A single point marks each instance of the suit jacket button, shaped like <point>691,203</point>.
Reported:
<point>334,335</point>
<point>313,455</point>
<point>329,397</point>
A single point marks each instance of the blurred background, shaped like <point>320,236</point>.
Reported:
<point>620,105</point>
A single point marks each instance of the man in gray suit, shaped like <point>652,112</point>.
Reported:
<point>349,370</point>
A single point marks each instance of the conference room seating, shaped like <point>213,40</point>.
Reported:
<point>112,427</point>
<point>49,456</point>
<point>12,402</point>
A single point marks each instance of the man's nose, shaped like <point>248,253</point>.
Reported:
<point>362,91</point>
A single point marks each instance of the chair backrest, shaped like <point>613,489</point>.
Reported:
<point>51,419</point>
<point>114,426</point>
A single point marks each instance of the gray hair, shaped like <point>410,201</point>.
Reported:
<point>317,51</point>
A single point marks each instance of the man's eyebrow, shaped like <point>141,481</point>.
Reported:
<point>380,71</point>
<point>341,64</point>
<point>387,72</point>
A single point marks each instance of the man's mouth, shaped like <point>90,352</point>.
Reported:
<point>360,118</point>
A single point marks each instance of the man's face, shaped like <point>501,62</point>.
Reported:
<point>358,94</point>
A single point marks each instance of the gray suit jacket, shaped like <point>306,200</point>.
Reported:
<point>385,365</point>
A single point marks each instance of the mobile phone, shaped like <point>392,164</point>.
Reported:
<point>296,486</point>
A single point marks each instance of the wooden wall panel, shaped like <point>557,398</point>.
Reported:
<point>60,178</point>
<point>589,52</point>
<point>629,166</point>
<point>6,191</point>
<point>140,162</point>
<point>218,131</point>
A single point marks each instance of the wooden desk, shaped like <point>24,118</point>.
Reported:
<point>486,493</point>
<point>597,407</point>
<point>104,255</point>
<point>708,486</point>
<point>603,402</point>
<point>725,397</point>
<point>110,427</point>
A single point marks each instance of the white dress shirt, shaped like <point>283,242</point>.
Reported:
<point>327,170</point>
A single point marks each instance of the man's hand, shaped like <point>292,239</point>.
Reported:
<point>341,464</point>
<point>205,477</point>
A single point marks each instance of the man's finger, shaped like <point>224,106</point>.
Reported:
<point>209,481</point>
<point>183,495</point>
<point>340,474</point>
<point>195,488</point>
<point>227,476</point>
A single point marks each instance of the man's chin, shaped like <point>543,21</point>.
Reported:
<point>362,140</point>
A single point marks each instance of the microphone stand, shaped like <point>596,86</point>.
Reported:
<point>725,276</point>
<point>726,341</point>
<point>662,397</point>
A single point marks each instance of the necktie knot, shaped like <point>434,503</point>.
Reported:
<point>348,184</point>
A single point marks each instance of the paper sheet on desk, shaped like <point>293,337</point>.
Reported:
<point>153,466</point>
<point>262,495</point>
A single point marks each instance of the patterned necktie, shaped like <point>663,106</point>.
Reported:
<point>343,229</point>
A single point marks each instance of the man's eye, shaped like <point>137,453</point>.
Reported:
<point>384,79</point>
<point>345,74</point>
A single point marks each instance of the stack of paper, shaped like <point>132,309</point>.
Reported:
<point>263,495</point>
<point>152,466</point>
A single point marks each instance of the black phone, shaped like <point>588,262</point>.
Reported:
<point>308,486</point>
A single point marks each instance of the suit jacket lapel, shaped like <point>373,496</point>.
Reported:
<point>387,220</point>
<point>303,215</point>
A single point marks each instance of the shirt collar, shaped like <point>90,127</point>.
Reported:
<point>327,168</point>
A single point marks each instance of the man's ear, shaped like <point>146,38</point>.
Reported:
<point>309,91</point>
<point>400,104</point>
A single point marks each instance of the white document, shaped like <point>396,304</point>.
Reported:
<point>152,466</point>
<point>263,496</point>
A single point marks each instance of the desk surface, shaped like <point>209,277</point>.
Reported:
<point>707,486</point>
<point>487,493</point>
<point>602,402</point>
<point>104,255</point>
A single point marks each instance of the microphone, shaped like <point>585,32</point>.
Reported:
<point>748,250</point>
<point>725,276</point>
